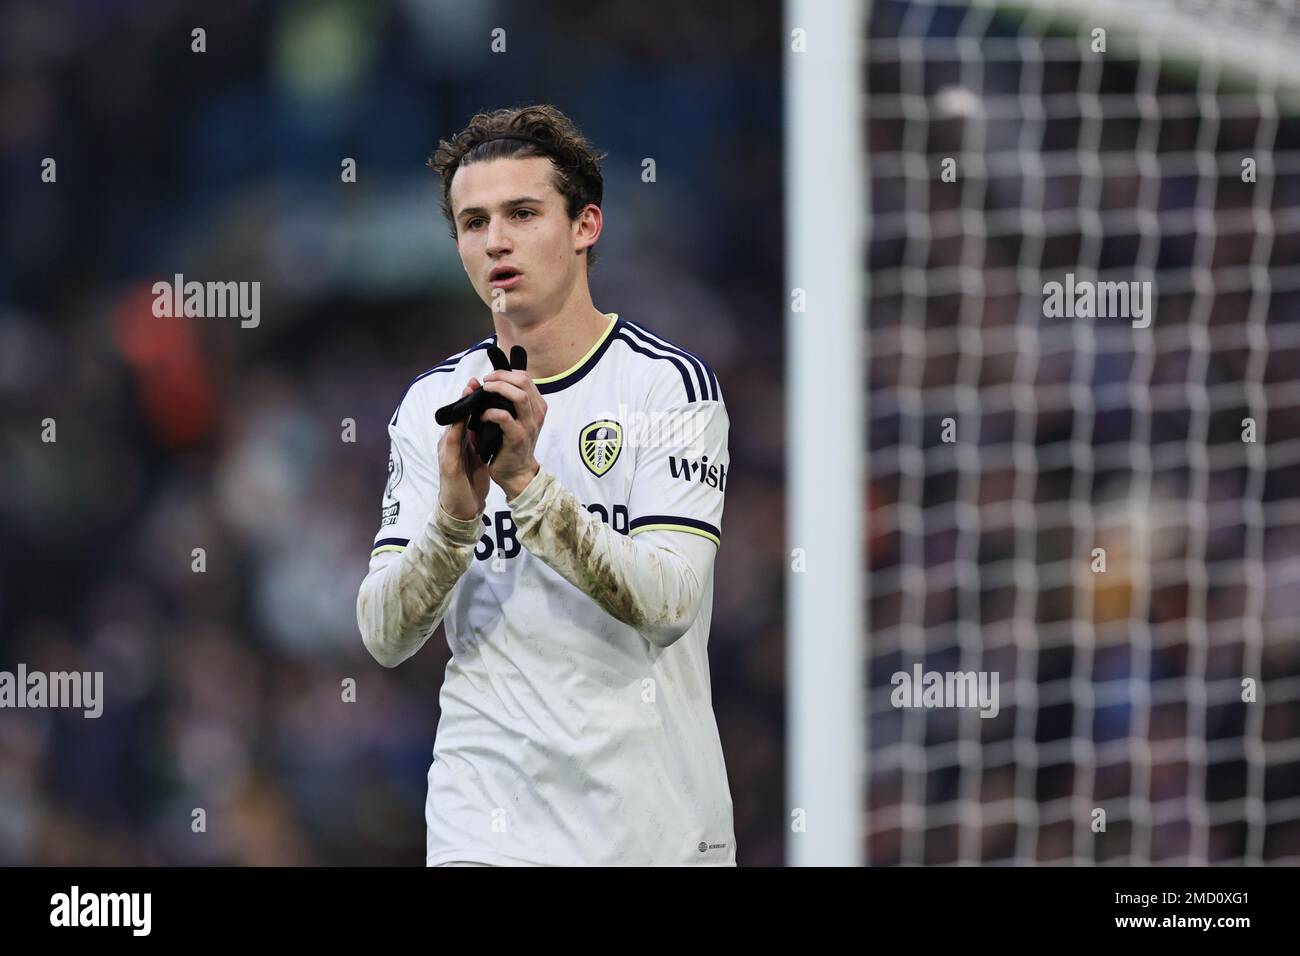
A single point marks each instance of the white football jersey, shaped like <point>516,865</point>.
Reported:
<point>566,737</point>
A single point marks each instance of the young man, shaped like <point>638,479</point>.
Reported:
<point>574,572</point>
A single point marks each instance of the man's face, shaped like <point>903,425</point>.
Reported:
<point>509,215</point>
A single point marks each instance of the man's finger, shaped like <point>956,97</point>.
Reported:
<point>513,429</point>
<point>509,389</point>
<point>451,438</point>
<point>515,394</point>
<point>520,380</point>
<point>470,449</point>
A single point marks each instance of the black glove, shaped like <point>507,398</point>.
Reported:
<point>487,435</point>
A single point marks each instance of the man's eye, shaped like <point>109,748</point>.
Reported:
<point>528,211</point>
<point>472,223</point>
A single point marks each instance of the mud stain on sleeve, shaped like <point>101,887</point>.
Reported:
<point>413,593</point>
<point>602,563</point>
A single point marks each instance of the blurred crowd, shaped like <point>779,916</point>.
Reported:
<point>224,687</point>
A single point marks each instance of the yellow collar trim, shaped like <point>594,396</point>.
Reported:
<point>613,320</point>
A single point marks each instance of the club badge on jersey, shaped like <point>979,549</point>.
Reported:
<point>599,444</point>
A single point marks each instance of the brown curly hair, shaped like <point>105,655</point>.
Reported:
<point>575,161</point>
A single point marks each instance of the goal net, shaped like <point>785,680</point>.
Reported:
<point>1082,329</point>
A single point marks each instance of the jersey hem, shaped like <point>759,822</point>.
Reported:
<point>477,856</point>
<point>500,859</point>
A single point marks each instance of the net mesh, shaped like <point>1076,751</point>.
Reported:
<point>1007,444</point>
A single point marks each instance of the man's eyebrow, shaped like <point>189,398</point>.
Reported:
<point>508,204</point>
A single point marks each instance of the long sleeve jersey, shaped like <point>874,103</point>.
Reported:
<point>577,724</point>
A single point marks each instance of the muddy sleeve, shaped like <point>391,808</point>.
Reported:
<point>406,593</point>
<point>653,583</point>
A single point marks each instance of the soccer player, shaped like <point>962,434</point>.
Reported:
<point>574,573</point>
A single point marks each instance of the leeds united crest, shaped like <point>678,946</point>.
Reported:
<point>599,444</point>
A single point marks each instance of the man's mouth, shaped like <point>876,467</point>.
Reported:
<point>504,277</point>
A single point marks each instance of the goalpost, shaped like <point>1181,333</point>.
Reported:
<point>825,189</point>
<point>1101,511</point>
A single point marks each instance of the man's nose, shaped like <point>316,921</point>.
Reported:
<point>497,240</point>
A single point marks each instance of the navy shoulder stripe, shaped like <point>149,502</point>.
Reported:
<point>681,366</point>
<point>697,371</point>
<point>639,523</point>
<point>446,365</point>
<point>709,381</point>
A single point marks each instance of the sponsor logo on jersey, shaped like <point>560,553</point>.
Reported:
<point>599,444</point>
<point>500,536</point>
<point>389,514</point>
<point>714,476</point>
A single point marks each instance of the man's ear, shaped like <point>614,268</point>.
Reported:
<point>591,211</point>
